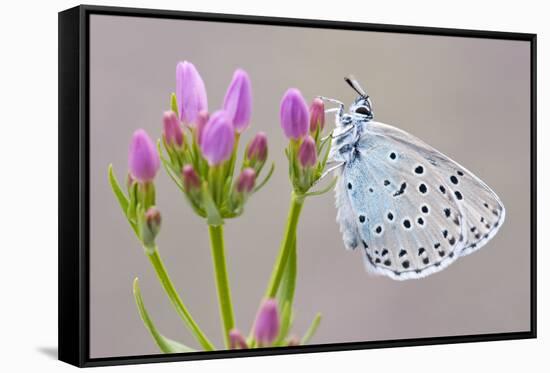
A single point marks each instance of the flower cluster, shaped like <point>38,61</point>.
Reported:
<point>198,150</point>
<point>307,152</point>
<point>202,148</point>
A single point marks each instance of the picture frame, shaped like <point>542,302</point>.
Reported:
<point>74,183</point>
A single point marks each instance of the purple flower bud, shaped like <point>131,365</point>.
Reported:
<point>191,180</point>
<point>151,227</point>
<point>317,115</point>
<point>266,325</point>
<point>143,159</point>
<point>152,218</point>
<point>245,182</point>
<point>294,114</point>
<point>257,148</point>
<point>129,181</point>
<point>217,138</point>
<point>236,340</point>
<point>238,100</point>
<point>293,341</point>
<point>307,154</point>
<point>190,92</point>
<point>171,129</point>
<point>202,119</point>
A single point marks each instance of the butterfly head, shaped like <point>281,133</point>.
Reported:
<point>361,109</point>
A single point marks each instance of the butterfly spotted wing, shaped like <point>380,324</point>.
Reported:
<point>410,208</point>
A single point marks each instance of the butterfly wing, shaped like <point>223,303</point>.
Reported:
<point>413,210</point>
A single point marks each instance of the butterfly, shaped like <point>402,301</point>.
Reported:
<point>411,209</point>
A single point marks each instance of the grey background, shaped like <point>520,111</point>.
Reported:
<point>467,97</point>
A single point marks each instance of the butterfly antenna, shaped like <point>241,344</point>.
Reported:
<point>356,86</point>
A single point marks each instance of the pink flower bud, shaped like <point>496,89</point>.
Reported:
<point>293,341</point>
<point>202,119</point>
<point>245,182</point>
<point>238,100</point>
<point>190,92</point>
<point>143,159</point>
<point>236,340</point>
<point>307,154</point>
<point>217,138</point>
<point>129,181</point>
<point>171,129</point>
<point>266,325</point>
<point>153,219</point>
<point>294,115</point>
<point>151,227</point>
<point>191,180</point>
<point>257,148</point>
<point>317,115</point>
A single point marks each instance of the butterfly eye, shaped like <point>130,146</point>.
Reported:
<point>362,110</point>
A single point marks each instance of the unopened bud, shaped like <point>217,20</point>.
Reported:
<point>245,182</point>
<point>237,340</point>
<point>151,227</point>
<point>307,154</point>
<point>191,180</point>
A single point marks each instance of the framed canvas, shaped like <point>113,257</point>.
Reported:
<point>213,170</point>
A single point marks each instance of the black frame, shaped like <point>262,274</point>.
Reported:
<point>73,332</point>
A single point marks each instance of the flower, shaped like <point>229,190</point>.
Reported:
<point>191,180</point>
<point>266,325</point>
<point>238,100</point>
<point>143,159</point>
<point>307,154</point>
<point>202,119</point>
<point>190,92</point>
<point>236,340</point>
<point>217,138</point>
<point>317,115</point>
<point>245,182</point>
<point>294,114</point>
<point>171,129</point>
<point>256,150</point>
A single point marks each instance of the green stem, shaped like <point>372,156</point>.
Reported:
<point>296,205</point>
<point>182,311</point>
<point>222,280</point>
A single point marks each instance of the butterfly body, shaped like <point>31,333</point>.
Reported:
<point>409,208</point>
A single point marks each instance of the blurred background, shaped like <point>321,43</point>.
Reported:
<point>469,98</point>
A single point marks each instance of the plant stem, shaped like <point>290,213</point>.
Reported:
<point>222,280</point>
<point>296,204</point>
<point>182,311</point>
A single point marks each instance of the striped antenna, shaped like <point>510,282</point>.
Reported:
<point>356,86</point>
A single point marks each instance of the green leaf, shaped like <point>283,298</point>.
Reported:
<point>174,104</point>
<point>170,169</point>
<point>132,205</point>
<point>213,216</point>
<point>312,329</point>
<point>117,190</point>
<point>166,345</point>
<point>121,198</point>
<point>286,321</point>
<point>266,178</point>
<point>324,190</point>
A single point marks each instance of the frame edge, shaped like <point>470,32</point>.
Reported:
<point>69,258</point>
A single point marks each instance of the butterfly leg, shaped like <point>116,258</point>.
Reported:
<point>339,110</point>
<point>330,169</point>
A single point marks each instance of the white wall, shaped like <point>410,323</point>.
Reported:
<point>28,161</point>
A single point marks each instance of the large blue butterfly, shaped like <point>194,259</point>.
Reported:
<point>411,209</point>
